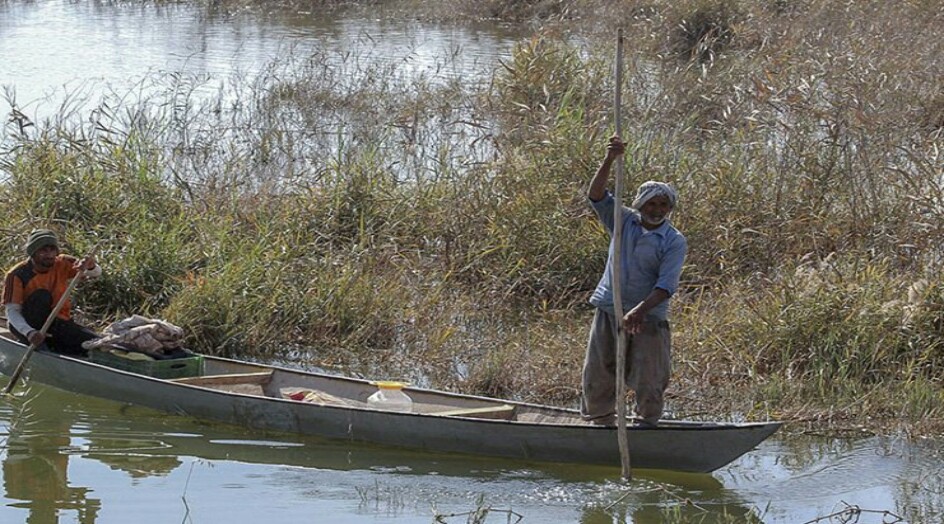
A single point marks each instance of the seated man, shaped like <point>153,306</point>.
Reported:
<point>34,286</point>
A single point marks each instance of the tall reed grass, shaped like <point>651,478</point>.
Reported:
<point>330,209</point>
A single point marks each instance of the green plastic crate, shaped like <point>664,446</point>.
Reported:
<point>170,368</point>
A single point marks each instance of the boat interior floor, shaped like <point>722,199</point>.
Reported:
<point>260,384</point>
<point>278,384</point>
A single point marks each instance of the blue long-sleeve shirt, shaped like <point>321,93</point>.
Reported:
<point>650,259</point>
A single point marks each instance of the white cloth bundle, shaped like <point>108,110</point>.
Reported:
<point>139,333</point>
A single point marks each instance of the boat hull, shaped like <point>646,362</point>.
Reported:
<point>674,445</point>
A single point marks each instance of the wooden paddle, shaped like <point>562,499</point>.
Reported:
<point>622,435</point>
<point>49,320</point>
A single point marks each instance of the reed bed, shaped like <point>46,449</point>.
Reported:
<point>339,213</point>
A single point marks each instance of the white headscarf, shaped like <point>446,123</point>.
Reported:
<point>651,189</point>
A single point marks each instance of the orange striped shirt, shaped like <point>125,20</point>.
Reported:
<point>23,280</point>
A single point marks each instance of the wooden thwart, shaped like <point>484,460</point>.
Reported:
<point>503,411</point>
<point>260,378</point>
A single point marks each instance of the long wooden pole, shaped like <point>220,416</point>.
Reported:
<point>15,377</point>
<point>622,434</point>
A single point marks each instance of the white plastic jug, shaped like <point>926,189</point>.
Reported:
<point>390,397</point>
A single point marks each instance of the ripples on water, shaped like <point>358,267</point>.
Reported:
<point>51,48</point>
<point>200,72</point>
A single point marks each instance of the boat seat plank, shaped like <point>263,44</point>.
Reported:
<point>501,412</point>
<point>260,378</point>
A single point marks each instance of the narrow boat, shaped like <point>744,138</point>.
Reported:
<point>263,397</point>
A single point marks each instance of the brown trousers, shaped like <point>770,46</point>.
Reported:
<point>648,366</point>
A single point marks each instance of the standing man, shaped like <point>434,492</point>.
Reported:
<point>652,256</point>
<point>34,286</point>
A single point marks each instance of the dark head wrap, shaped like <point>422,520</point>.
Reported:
<point>39,239</point>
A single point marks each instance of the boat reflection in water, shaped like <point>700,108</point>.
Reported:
<point>36,463</point>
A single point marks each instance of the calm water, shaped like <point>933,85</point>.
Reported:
<point>49,49</point>
<point>87,460</point>
<point>75,459</point>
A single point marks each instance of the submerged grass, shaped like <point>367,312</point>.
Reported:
<point>335,210</point>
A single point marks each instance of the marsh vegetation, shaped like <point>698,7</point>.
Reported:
<point>337,213</point>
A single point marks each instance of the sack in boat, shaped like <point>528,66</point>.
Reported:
<point>138,333</point>
<point>314,397</point>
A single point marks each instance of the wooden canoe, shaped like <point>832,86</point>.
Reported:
<point>256,396</point>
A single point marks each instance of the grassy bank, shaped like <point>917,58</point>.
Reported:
<point>437,231</point>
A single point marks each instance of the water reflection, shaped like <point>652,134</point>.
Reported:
<point>67,454</point>
<point>121,455</point>
<point>36,466</point>
<point>283,95</point>
<point>50,49</point>
<point>49,428</point>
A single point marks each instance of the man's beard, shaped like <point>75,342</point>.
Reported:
<point>45,263</point>
<point>649,219</point>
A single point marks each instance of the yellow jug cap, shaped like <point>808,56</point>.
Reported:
<point>388,384</point>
